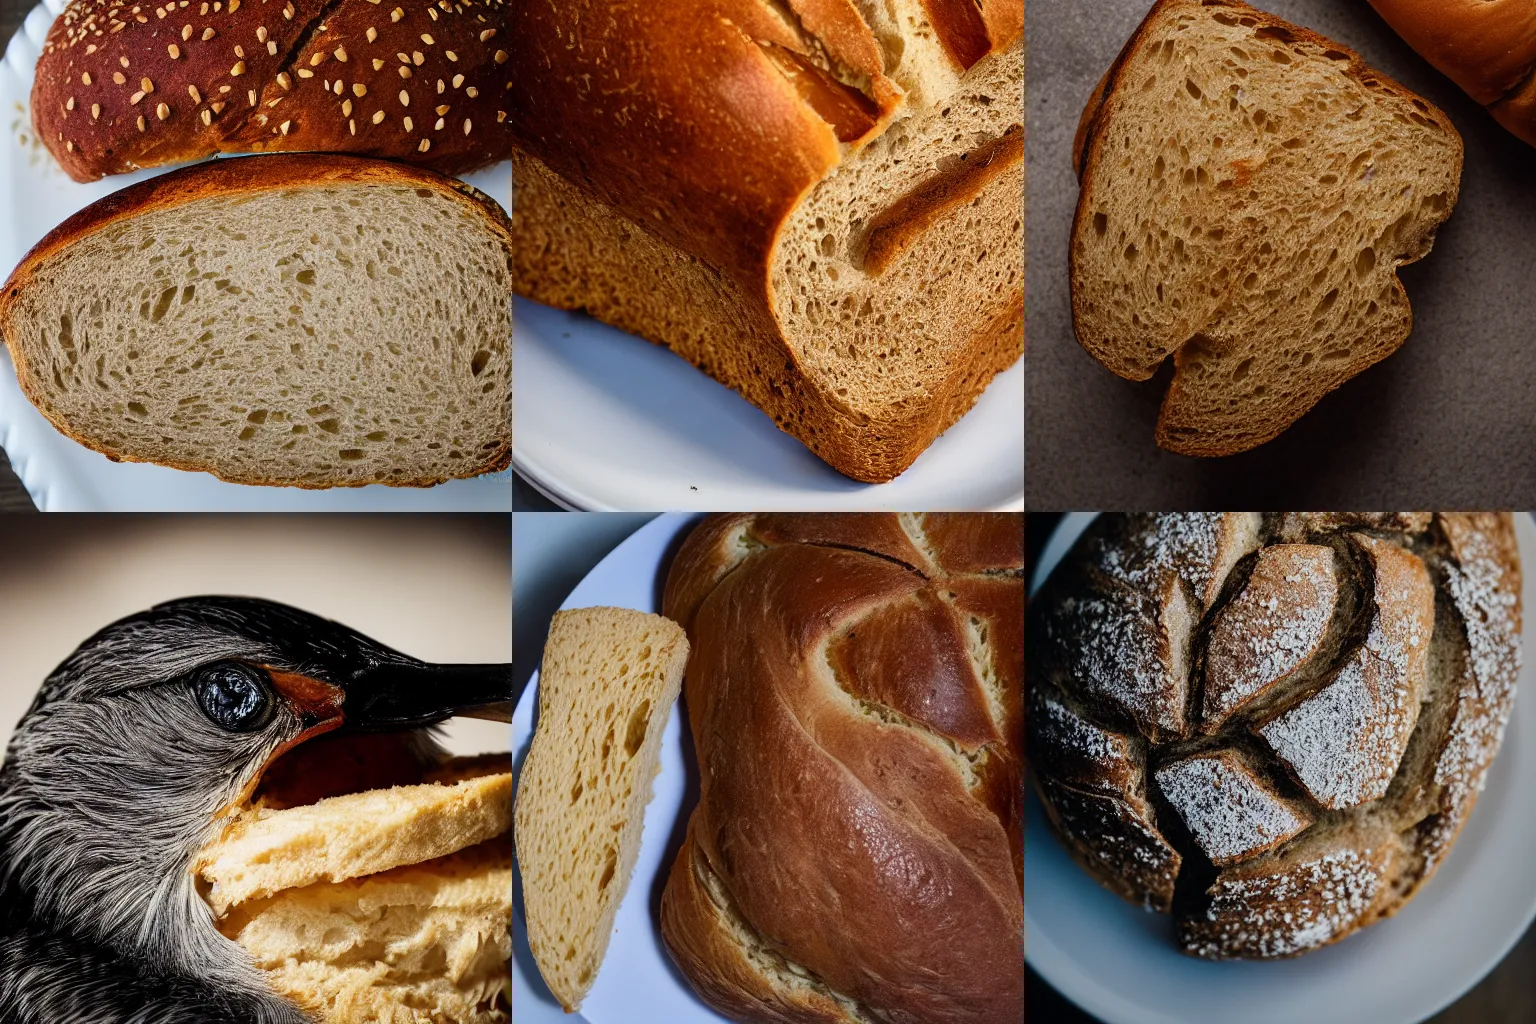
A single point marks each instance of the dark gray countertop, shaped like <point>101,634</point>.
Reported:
<point>1448,421</point>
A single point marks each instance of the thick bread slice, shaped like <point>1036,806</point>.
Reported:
<point>312,321</point>
<point>422,944</point>
<point>263,852</point>
<point>1249,190</point>
<point>606,687</point>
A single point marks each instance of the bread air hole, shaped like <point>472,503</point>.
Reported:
<point>634,735</point>
<point>610,865</point>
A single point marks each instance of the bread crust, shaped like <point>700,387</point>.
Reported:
<point>1304,843</point>
<point>1487,48</point>
<point>119,89</point>
<point>810,738</point>
<point>724,172</point>
<point>240,176</point>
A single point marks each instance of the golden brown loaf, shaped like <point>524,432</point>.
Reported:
<point>855,698</point>
<point>817,202</point>
<point>1272,726</point>
<point>125,85</point>
<point>1488,47</point>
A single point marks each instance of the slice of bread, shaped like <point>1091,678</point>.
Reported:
<point>315,321</point>
<point>1249,190</point>
<point>422,944</point>
<point>607,685</point>
<point>264,851</point>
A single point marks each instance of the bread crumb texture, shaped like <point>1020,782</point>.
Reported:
<point>1249,191</point>
<point>609,679</point>
<point>1363,668</point>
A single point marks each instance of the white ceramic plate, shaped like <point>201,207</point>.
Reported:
<point>1119,962</point>
<point>606,421</point>
<point>638,983</point>
<point>35,196</point>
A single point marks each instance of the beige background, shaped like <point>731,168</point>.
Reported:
<point>436,587</point>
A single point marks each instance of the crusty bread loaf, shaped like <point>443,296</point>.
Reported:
<point>1249,190</point>
<point>818,204</point>
<point>607,684</point>
<point>303,320</point>
<point>855,700</point>
<point>381,905</point>
<point>123,86</point>
<point>445,926</point>
<point>1357,671</point>
<point>1489,49</point>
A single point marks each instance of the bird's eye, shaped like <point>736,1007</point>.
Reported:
<point>234,695</point>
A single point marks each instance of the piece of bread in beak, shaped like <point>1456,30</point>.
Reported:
<point>390,905</point>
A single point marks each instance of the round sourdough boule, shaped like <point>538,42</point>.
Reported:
<point>1272,726</point>
<point>123,86</point>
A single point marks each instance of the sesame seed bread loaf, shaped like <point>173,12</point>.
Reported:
<point>1489,49</point>
<point>608,681</point>
<point>1249,191</point>
<point>819,203</point>
<point>314,321</point>
<point>122,86</point>
<point>855,697</point>
<point>388,904</point>
<point>1290,758</point>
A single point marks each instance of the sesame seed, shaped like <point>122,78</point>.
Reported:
<point>378,117</point>
<point>405,98</point>
<point>174,51</point>
<point>141,122</point>
<point>146,85</point>
<point>123,61</point>
<point>471,92</point>
<point>409,124</point>
<point>359,90</point>
<point>217,107</point>
<point>197,97</point>
<point>234,5</point>
<point>163,111</point>
<point>403,58</point>
<point>442,109</point>
<point>487,34</point>
<point>501,115</point>
<point>458,80</point>
<point>346,108</point>
<point>134,99</point>
<point>238,69</point>
<point>396,14</point>
<point>240,52</point>
<point>440,87</point>
<point>338,87</point>
<point>317,60</point>
<point>501,56</point>
<point>352,127</point>
<point>306,73</point>
<point>207,117</point>
<point>405,72</point>
<point>224,88</point>
<point>288,12</point>
<point>95,111</point>
<point>378,65</point>
<point>341,54</point>
<point>417,58</point>
<point>272,47</point>
<point>373,33</point>
<point>186,33</point>
<point>284,81</point>
<point>467,126</point>
<point>451,55</point>
<point>117,76</point>
<point>426,38</point>
<point>426,144</point>
<point>284,127</point>
<point>261,33</point>
<point>251,95</point>
<point>85,78</point>
<point>208,34</point>
<point>70,105</point>
<point>439,126</point>
<point>90,49</point>
<point>69,147</point>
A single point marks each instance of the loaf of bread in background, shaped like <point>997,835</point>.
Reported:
<point>304,320</point>
<point>608,681</point>
<point>820,205</point>
<point>1249,191</point>
<point>1489,49</point>
<point>855,697</point>
<point>122,86</point>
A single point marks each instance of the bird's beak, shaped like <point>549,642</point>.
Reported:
<point>405,696</point>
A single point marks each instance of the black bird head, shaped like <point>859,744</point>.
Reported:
<point>118,773</point>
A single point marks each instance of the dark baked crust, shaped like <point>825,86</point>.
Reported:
<point>1391,721</point>
<point>856,852</point>
<point>234,177</point>
<point>122,86</point>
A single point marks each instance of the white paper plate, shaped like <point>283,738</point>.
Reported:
<point>1119,962</point>
<point>606,421</point>
<point>35,196</point>
<point>638,983</point>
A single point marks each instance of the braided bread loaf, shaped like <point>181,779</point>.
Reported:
<point>124,84</point>
<point>855,698</point>
<point>1272,726</point>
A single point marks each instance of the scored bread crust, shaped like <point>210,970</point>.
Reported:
<point>1489,49</point>
<point>856,853</point>
<point>1178,428</point>
<point>238,177</point>
<point>692,246</point>
<point>121,87</point>
<point>1294,844</point>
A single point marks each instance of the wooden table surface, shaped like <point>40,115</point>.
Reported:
<point>1506,996</point>
<point>13,498</point>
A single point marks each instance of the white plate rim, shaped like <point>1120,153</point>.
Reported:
<point>1079,985</point>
